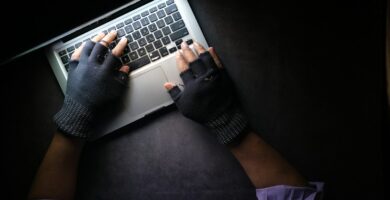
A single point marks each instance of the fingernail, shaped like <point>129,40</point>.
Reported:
<point>123,39</point>
<point>184,45</point>
<point>113,31</point>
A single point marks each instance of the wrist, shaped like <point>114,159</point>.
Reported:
<point>74,119</point>
<point>229,126</point>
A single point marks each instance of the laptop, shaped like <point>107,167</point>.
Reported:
<point>154,29</point>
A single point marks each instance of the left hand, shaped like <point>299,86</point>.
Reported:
<point>96,77</point>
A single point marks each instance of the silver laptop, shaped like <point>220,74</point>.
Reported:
<point>154,30</point>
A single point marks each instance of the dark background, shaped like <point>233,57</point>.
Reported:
<point>310,76</point>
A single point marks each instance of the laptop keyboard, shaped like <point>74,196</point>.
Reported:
<point>148,34</point>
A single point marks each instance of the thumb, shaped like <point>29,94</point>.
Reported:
<point>173,90</point>
<point>169,85</point>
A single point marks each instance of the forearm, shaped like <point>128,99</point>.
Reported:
<point>56,177</point>
<point>263,164</point>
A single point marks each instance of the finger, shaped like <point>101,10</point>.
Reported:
<point>181,63</point>
<point>77,53</point>
<point>87,49</point>
<point>108,38</point>
<point>118,50</point>
<point>98,37</point>
<point>173,90</point>
<point>199,48</point>
<point>188,54</point>
<point>213,54</point>
<point>169,85</point>
<point>125,69</point>
<point>112,62</point>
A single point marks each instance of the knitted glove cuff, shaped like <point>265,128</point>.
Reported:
<point>74,119</point>
<point>229,125</point>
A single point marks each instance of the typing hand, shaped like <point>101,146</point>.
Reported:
<point>96,77</point>
<point>208,96</point>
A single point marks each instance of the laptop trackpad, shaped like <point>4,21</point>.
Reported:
<point>146,92</point>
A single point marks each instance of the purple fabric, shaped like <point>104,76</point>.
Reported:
<point>284,192</point>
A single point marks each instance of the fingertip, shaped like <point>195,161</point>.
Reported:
<point>168,85</point>
<point>125,69</point>
<point>98,37</point>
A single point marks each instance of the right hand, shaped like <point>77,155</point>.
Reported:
<point>208,96</point>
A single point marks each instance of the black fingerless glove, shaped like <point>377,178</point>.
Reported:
<point>92,82</point>
<point>209,98</point>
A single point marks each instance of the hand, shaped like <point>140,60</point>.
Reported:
<point>208,97</point>
<point>94,79</point>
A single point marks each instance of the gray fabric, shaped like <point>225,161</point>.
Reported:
<point>74,119</point>
<point>93,82</point>
<point>209,98</point>
<point>228,125</point>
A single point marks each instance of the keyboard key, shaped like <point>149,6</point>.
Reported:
<point>120,33</point>
<point>153,17</point>
<point>137,17</point>
<point>158,34</point>
<point>171,9</point>
<point>125,59</point>
<point>129,38</point>
<point>169,2</point>
<point>70,49</point>
<point>137,25</point>
<point>61,53</point>
<point>67,67</point>
<point>163,51</point>
<point>145,13</point>
<point>112,45</point>
<point>141,51</point>
<point>136,35</point>
<point>126,50</point>
<point>161,5</point>
<point>111,29</point>
<point>139,63</point>
<point>144,31</point>
<point>105,32</point>
<point>150,38</point>
<point>134,46</point>
<point>133,55</point>
<point>190,41</point>
<point>78,45</point>
<point>152,10</point>
<point>142,42</point>
<point>120,25</point>
<point>161,14</point>
<point>128,21</point>
<point>178,42</point>
<point>154,56</point>
<point>168,20</point>
<point>166,30</point>
<point>144,21</point>
<point>172,50</point>
<point>179,34</point>
<point>165,40</point>
<point>160,23</point>
<point>65,59</point>
<point>176,16</point>
<point>129,29</point>
<point>149,48</point>
<point>157,44</point>
<point>152,27</point>
<point>177,25</point>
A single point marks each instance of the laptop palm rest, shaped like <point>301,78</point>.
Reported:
<point>145,94</point>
